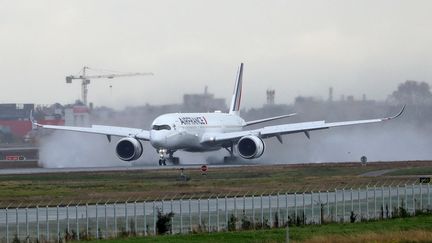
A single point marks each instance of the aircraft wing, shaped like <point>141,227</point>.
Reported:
<point>103,130</point>
<point>278,130</point>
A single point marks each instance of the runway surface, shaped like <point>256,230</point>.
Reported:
<point>17,171</point>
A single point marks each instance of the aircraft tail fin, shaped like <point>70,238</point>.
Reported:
<point>236,99</point>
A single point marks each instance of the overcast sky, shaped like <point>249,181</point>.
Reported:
<point>295,47</point>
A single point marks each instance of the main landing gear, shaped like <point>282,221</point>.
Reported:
<point>231,158</point>
<point>163,157</point>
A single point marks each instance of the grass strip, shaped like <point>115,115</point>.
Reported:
<point>419,226</point>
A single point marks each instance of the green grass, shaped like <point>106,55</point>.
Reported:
<point>296,233</point>
<point>412,171</point>
<point>154,184</point>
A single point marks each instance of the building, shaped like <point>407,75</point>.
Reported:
<point>205,102</point>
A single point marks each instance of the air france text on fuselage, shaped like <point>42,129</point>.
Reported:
<point>200,120</point>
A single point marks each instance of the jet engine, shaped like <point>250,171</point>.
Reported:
<point>129,149</point>
<point>250,147</point>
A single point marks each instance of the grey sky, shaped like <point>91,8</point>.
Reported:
<point>295,47</point>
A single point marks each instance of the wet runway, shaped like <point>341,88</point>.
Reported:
<point>17,171</point>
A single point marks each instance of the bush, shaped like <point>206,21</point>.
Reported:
<point>246,224</point>
<point>163,223</point>
<point>232,223</point>
<point>353,217</point>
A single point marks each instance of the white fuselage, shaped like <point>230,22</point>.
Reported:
<point>184,131</point>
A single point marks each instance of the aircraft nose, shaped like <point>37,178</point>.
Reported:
<point>157,139</point>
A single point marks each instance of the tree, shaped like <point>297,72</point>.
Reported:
<point>413,93</point>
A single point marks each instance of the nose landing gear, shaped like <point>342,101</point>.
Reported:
<point>162,154</point>
<point>162,162</point>
<point>163,157</point>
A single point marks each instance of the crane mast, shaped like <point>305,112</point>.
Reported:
<point>85,80</point>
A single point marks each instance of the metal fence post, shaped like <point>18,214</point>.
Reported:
<point>135,218</point>
<point>154,217</point>
<point>199,213</point>
<point>7,226</point>
<point>235,206</point>
<point>304,208</point>
<point>190,215</point>
<point>397,195</point>
<point>67,219</point>
<point>286,207</point>
<point>58,224</point>
<point>383,200</point>
<point>37,223</point>
<point>76,220</point>
<point>312,208</point>
<point>17,222</point>
<point>343,205</point>
<point>328,204</point>
<point>367,202</point>
<point>181,215</point>
<point>172,219</point>
<point>406,198</point>
<point>270,212</point>
<point>115,219</point>
<point>295,206</point>
<point>126,216</point>
<point>262,212</point>
<point>208,211</point>
<point>421,197</point>
<point>278,210</point>
<point>375,203</point>
<point>390,201</point>
<point>244,205</point>
<point>106,220</point>
<point>87,220</point>
<point>226,212</point>
<point>145,218</point>
<point>217,213</point>
<point>413,199</point>
<point>359,204</point>
<point>352,202</point>
<point>319,207</point>
<point>27,225</point>
<point>47,224</point>
<point>97,221</point>
<point>253,210</point>
<point>336,206</point>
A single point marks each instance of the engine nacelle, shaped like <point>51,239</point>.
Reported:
<point>250,147</point>
<point>129,149</point>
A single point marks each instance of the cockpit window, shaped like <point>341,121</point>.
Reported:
<point>161,127</point>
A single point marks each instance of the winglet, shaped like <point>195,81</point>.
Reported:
<point>33,121</point>
<point>395,116</point>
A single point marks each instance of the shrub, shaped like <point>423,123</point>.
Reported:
<point>232,223</point>
<point>163,223</point>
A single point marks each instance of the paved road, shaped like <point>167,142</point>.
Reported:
<point>376,173</point>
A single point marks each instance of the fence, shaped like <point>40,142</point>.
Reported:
<point>216,213</point>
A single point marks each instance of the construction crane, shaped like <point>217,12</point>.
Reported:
<point>86,79</point>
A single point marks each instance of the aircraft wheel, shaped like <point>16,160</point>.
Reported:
<point>164,162</point>
<point>160,162</point>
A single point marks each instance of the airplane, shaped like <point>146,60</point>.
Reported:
<point>201,132</point>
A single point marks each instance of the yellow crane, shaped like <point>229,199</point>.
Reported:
<point>85,79</point>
